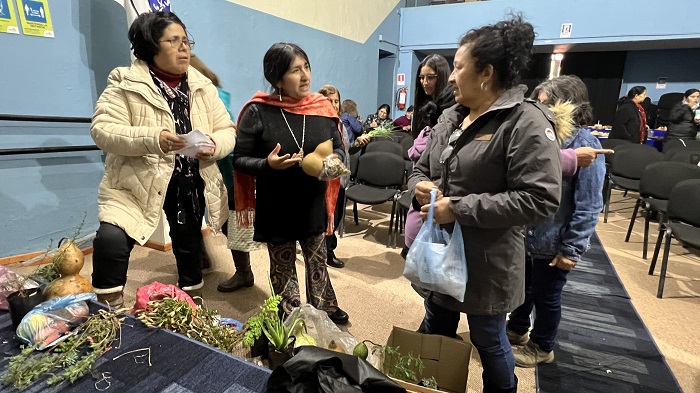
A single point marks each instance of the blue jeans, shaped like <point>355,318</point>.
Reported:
<point>543,287</point>
<point>487,334</point>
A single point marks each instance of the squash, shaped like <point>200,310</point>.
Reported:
<point>69,261</point>
<point>312,163</point>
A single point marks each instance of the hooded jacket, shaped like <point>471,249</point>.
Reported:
<point>128,119</point>
<point>682,124</point>
<point>568,232</point>
<point>497,183</point>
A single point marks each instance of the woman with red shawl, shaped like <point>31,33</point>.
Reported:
<point>284,204</point>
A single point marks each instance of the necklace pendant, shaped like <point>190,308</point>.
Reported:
<point>301,153</point>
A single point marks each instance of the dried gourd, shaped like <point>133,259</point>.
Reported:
<point>312,163</point>
<point>69,262</point>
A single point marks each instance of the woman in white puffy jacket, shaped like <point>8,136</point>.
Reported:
<point>138,122</point>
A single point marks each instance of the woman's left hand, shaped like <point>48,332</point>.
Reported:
<point>443,213</point>
<point>208,154</point>
<point>562,263</point>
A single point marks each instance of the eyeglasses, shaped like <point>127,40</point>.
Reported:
<point>450,145</point>
<point>176,42</point>
<point>429,77</point>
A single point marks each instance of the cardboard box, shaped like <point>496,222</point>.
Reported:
<point>446,359</point>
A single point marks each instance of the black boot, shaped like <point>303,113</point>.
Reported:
<point>243,276</point>
<point>489,389</point>
<point>332,261</point>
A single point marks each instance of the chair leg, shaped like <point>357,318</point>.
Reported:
<point>625,194</point>
<point>659,239</point>
<point>391,242</point>
<point>634,217</point>
<point>647,217</point>
<point>664,264</point>
<point>354,212</point>
<point>341,225</point>
<point>607,203</point>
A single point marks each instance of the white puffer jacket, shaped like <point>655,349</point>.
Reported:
<point>128,119</point>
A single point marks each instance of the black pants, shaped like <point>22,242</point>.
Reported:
<point>332,240</point>
<point>112,246</point>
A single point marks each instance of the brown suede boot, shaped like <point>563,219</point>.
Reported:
<point>113,299</point>
<point>243,276</point>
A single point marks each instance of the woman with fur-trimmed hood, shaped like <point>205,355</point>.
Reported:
<point>556,245</point>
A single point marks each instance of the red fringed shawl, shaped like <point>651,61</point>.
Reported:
<point>314,104</point>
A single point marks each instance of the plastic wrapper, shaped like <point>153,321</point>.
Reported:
<point>48,323</point>
<point>10,282</point>
<point>158,291</point>
<point>333,168</point>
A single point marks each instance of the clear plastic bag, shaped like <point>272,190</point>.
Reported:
<point>436,259</point>
<point>48,323</point>
<point>10,282</point>
<point>333,168</point>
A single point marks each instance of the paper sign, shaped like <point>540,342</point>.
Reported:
<point>197,142</point>
<point>661,83</point>
<point>35,17</point>
<point>566,29</point>
<point>401,80</point>
<point>8,18</point>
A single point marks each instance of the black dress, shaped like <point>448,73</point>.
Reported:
<point>290,205</point>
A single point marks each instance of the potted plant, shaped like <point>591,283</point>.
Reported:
<point>281,339</point>
<point>253,337</point>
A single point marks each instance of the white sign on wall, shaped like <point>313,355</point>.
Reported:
<point>566,29</point>
<point>400,79</point>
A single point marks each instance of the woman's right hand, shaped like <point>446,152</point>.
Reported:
<point>363,139</point>
<point>423,192</point>
<point>170,142</point>
<point>278,162</point>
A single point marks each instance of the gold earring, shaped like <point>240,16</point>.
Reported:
<point>482,86</point>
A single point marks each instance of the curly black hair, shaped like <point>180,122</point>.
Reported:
<point>147,30</point>
<point>506,45</point>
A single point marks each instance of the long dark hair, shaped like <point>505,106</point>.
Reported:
<point>431,111</point>
<point>278,59</point>
<point>147,30</point>
<point>442,70</point>
<point>635,91</point>
<point>568,88</point>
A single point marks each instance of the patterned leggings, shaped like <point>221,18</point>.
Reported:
<point>283,274</point>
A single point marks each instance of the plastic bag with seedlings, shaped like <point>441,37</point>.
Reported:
<point>333,168</point>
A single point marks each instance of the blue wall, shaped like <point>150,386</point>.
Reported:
<point>44,197</point>
<point>680,66</point>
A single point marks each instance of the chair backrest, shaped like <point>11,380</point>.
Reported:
<point>689,157</point>
<point>381,170</point>
<point>384,146</point>
<point>660,177</point>
<point>354,159</point>
<point>666,102</point>
<point>613,144</point>
<point>674,146</point>
<point>406,143</point>
<point>631,160</point>
<point>682,205</point>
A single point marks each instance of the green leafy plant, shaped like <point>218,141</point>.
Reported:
<point>268,311</point>
<point>382,131</point>
<point>402,367</point>
<point>279,334</point>
<point>70,359</point>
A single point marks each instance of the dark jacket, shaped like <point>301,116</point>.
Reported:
<point>627,122</point>
<point>353,126</point>
<point>682,125</point>
<point>497,183</point>
<point>290,205</point>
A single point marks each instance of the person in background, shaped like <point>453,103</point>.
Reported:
<point>239,240</point>
<point>272,192</point>
<point>333,95</point>
<point>431,79</point>
<point>351,119</point>
<point>685,118</point>
<point>495,162</point>
<point>555,246</point>
<point>379,119</point>
<point>138,121</point>
<point>630,120</point>
<point>403,123</point>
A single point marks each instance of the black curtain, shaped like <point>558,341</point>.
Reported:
<point>538,71</point>
<point>602,74</point>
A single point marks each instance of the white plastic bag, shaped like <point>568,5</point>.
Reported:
<point>436,259</point>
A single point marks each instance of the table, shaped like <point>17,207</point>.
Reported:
<point>655,137</point>
<point>179,364</point>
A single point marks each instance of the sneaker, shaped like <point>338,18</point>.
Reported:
<point>531,355</point>
<point>517,339</point>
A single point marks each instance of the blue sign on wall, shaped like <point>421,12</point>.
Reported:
<point>34,11</point>
<point>4,10</point>
<point>159,5</point>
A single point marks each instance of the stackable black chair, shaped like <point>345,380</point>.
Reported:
<point>626,168</point>
<point>689,157</point>
<point>658,179</point>
<point>384,146</point>
<point>379,179</point>
<point>402,205</point>
<point>675,146</point>
<point>683,224</point>
<point>610,144</point>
